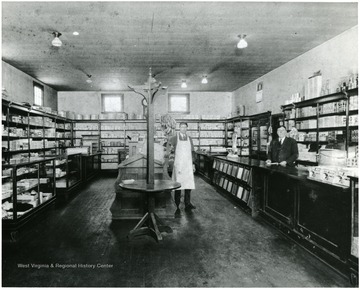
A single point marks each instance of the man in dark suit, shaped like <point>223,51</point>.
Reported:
<point>283,150</point>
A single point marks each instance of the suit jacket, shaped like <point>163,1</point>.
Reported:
<point>173,141</point>
<point>288,151</point>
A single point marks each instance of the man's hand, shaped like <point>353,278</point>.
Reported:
<point>194,168</point>
<point>283,163</point>
<point>268,162</point>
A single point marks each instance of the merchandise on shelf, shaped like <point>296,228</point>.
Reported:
<point>211,126</point>
<point>353,156</point>
<point>212,134</point>
<point>18,119</point>
<point>36,121</point>
<point>314,85</point>
<point>245,152</point>
<point>353,103</point>
<point>230,126</point>
<point>332,121</point>
<point>218,142</point>
<point>354,136</point>
<point>6,189</point>
<point>245,124</point>
<point>21,144</point>
<point>245,134</point>
<point>304,112</point>
<point>353,120</point>
<point>7,210</point>
<point>307,124</point>
<point>86,126</point>
<point>15,132</point>
<point>119,126</point>
<point>135,126</point>
<point>116,135</point>
<point>112,143</point>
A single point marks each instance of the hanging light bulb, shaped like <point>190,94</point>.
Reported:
<point>204,80</point>
<point>56,41</point>
<point>183,84</point>
<point>89,81</point>
<point>242,42</point>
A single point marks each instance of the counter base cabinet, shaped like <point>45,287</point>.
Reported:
<point>316,216</point>
<point>324,217</point>
<point>280,198</point>
<point>90,166</point>
<point>204,165</point>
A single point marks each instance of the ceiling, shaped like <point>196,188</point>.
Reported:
<point>119,41</point>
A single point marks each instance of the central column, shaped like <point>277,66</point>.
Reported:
<point>150,135</point>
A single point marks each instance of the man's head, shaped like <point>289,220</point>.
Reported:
<point>281,131</point>
<point>183,127</point>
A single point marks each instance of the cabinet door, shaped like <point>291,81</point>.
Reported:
<point>324,216</point>
<point>280,197</point>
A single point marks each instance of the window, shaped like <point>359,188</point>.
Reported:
<point>179,103</point>
<point>112,103</point>
<point>38,94</point>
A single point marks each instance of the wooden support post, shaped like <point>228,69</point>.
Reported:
<point>150,134</point>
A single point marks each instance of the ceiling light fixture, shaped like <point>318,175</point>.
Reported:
<point>56,41</point>
<point>89,81</point>
<point>75,33</point>
<point>204,80</point>
<point>242,42</point>
<point>183,84</point>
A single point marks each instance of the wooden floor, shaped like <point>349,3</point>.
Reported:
<point>218,245</point>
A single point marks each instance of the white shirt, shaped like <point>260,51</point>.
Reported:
<point>282,140</point>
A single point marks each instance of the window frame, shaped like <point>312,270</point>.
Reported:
<point>103,97</point>
<point>172,95</point>
<point>41,87</point>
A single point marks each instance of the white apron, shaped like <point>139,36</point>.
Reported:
<point>183,167</point>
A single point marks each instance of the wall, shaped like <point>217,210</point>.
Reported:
<point>201,103</point>
<point>336,58</point>
<point>19,87</point>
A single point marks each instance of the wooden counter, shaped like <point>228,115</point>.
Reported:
<point>314,214</point>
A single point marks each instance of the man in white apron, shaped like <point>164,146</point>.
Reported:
<point>183,170</point>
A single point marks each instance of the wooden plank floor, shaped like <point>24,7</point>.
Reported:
<point>218,245</point>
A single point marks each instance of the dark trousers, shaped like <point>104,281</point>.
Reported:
<point>186,197</point>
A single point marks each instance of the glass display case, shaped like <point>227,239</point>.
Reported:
<point>90,166</point>
<point>67,172</point>
<point>27,187</point>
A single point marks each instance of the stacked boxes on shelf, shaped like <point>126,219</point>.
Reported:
<point>304,112</point>
<point>334,107</point>
<point>263,137</point>
<point>332,121</point>
<point>353,103</point>
<point>307,124</point>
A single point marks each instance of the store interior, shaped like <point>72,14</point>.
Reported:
<point>95,99</point>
